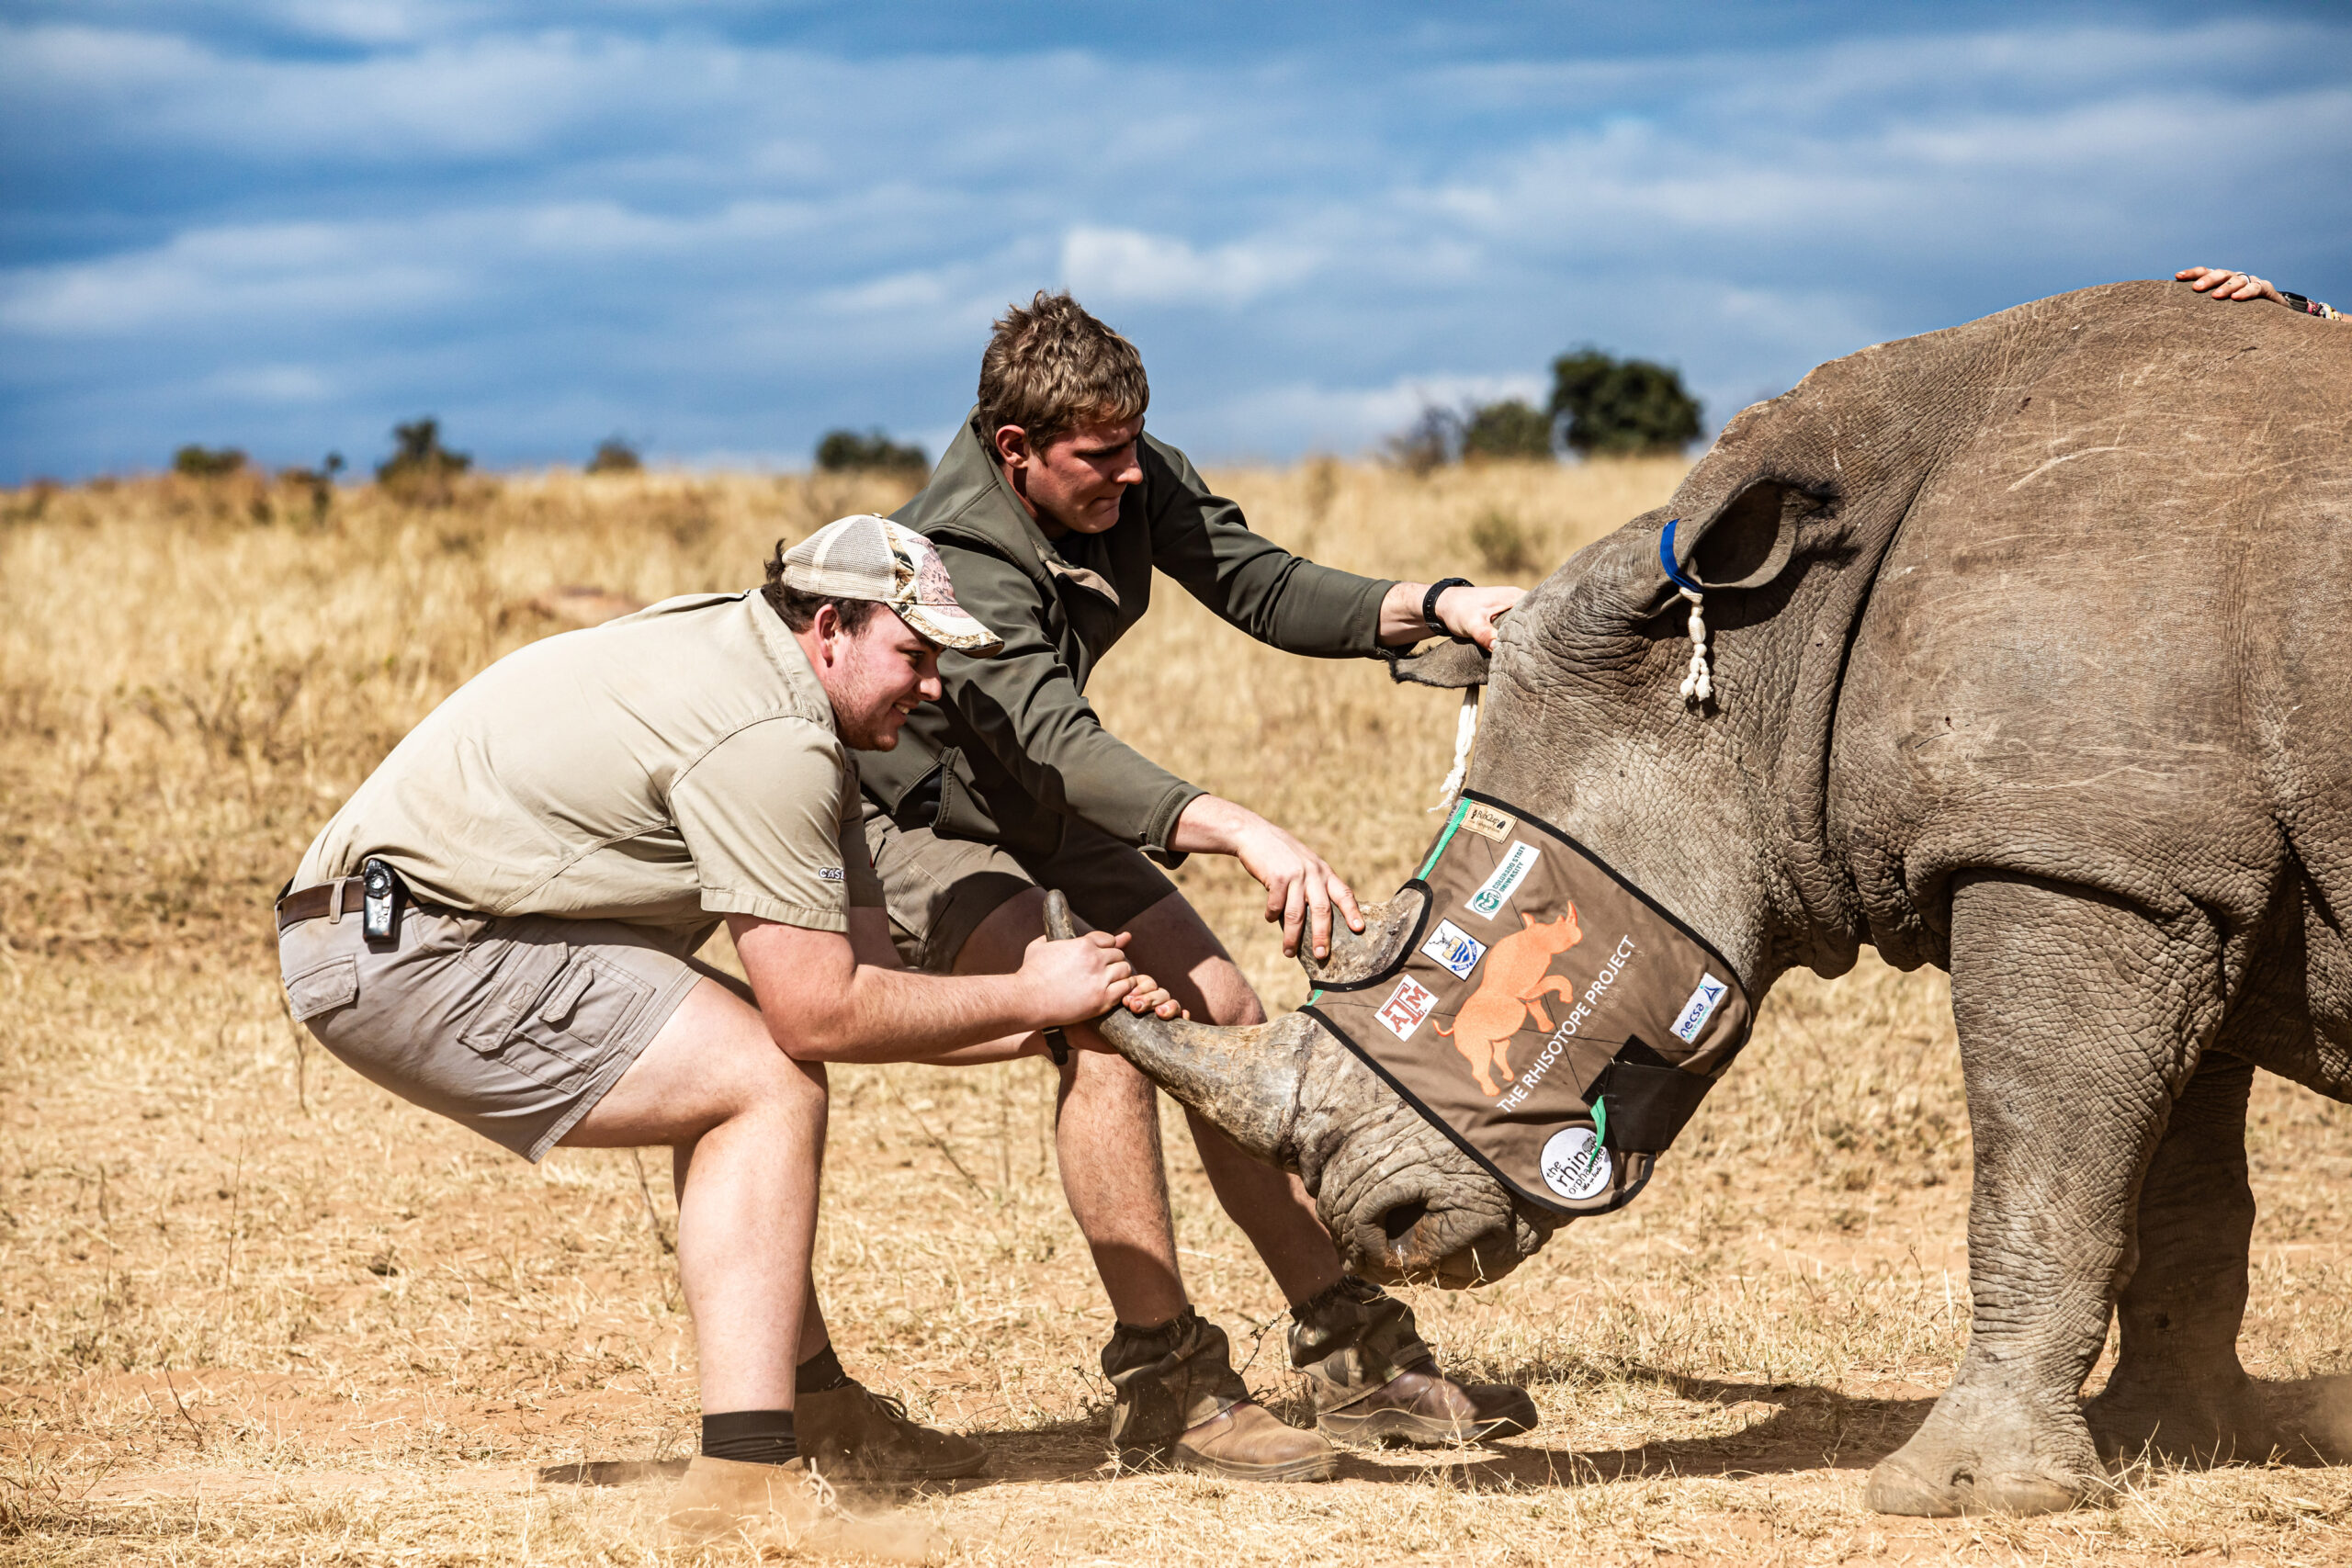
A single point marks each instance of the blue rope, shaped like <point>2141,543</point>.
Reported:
<point>1675,574</point>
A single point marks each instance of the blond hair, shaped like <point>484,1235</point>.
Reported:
<point>1050,367</point>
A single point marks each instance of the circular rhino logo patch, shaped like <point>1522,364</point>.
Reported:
<point>1574,1165</point>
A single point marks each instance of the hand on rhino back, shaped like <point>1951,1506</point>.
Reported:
<point>2022,643</point>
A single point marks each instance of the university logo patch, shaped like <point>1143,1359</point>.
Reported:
<point>1456,948</point>
<point>1406,1009</point>
<point>1496,891</point>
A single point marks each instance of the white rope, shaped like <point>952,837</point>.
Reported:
<point>1699,684</point>
<point>1465,733</point>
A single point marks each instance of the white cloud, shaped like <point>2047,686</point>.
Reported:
<point>202,282</point>
<point>1127,265</point>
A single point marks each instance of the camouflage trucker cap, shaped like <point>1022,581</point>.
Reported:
<point>866,557</point>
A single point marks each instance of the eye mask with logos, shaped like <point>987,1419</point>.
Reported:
<point>1544,1015</point>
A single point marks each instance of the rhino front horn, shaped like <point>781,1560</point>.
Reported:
<point>1243,1082</point>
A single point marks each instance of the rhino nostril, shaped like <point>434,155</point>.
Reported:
<point>1398,1221</point>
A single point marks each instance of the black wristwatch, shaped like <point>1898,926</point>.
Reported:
<point>1429,607</point>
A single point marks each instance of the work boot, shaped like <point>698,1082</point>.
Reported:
<point>854,1436</point>
<point>1376,1381</point>
<point>1181,1404</point>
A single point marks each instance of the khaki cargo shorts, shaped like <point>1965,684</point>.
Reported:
<point>513,1026</point>
<point>939,890</point>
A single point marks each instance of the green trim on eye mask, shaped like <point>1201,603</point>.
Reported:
<point>1452,825</point>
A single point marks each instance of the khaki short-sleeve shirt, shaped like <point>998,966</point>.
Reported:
<point>663,769</point>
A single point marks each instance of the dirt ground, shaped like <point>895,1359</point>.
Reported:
<point>258,1312</point>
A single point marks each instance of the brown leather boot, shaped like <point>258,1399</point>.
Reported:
<point>1377,1382</point>
<point>1181,1404</point>
<point>854,1436</point>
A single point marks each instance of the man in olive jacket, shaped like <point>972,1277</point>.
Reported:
<point>1052,510</point>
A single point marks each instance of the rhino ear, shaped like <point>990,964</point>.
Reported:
<point>1746,541</point>
<point>1452,665</point>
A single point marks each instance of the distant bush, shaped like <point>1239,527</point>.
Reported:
<point>421,471</point>
<point>318,484</point>
<point>1621,407</point>
<point>1502,543</point>
<point>1508,429</point>
<point>206,462</point>
<point>849,451</point>
<point>616,455</point>
<point>1476,432</point>
<point>1431,442</point>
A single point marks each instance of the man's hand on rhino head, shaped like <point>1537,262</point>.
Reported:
<point>1473,611</point>
<point>1468,611</point>
<point>2224,284</point>
<point>1084,977</point>
<point>1301,887</point>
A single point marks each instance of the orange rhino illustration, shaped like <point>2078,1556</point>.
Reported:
<point>1518,977</point>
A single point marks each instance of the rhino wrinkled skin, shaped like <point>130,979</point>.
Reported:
<point>2033,670</point>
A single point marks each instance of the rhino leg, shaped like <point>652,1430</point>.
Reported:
<point>2077,1016</point>
<point>2177,1389</point>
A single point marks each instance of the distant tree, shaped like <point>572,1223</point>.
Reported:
<point>206,462</point>
<point>1432,441</point>
<point>848,450</point>
<point>317,483</point>
<point>1506,429</point>
<point>420,470</point>
<point>614,455</point>
<point>1621,407</point>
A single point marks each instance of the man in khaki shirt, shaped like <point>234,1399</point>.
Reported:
<point>498,924</point>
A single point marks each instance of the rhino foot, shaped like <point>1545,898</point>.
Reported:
<point>1967,1459</point>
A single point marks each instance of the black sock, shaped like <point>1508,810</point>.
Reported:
<point>820,1373</point>
<point>752,1437</point>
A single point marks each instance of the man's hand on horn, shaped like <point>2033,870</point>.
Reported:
<point>1301,887</point>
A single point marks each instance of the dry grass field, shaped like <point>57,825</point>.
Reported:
<point>256,1312</point>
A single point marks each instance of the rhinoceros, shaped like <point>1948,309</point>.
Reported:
<point>2027,662</point>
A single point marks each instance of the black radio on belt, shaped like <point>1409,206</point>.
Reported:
<point>378,900</point>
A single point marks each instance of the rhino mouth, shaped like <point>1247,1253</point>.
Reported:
<point>1422,1213</point>
<point>1403,1203</point>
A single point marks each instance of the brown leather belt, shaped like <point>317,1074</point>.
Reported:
<point>312,902</point>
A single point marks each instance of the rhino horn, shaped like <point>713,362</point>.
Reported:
<point>1243,1082</point>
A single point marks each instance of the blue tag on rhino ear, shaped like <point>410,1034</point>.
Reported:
<point>1674,573</point>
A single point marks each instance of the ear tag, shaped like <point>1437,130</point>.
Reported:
<point>1698,683</point>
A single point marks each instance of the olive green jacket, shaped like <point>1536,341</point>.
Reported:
<point>1012,748</point>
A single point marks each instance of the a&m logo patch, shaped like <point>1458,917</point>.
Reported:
<point>1406,1009</point>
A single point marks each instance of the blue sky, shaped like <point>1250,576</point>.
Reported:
<point>720,229</point>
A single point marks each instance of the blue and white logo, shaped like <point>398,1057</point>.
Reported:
<point>1456,948</point>
<point>1698,1008</point>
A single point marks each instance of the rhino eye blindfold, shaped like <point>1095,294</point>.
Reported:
<point>1545,1015</point>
